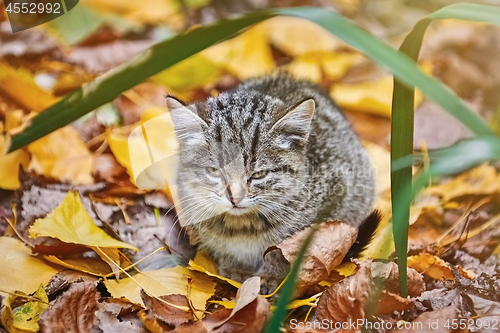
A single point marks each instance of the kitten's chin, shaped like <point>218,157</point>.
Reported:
<point>238,211</point>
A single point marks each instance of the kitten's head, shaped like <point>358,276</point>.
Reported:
<point>240,153</point>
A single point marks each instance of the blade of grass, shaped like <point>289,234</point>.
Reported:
<point>165,54</point>
<point>402,122</point>
<point>287,291</point>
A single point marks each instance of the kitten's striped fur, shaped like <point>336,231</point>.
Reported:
<point>317,169</point>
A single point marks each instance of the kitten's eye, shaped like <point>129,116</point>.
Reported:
<point>214,171</point>
<point>259,174</point>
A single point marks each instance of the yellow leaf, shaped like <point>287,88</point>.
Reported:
<point>70,223</point>
<point>20,86</point>
<point>111,256</point>
<point>195,72</point>
<point>246,55</point>
<point>307,68</point>
<point>20,270</point>
<point>62,155</point>
<point>296,36</point>
<point>202,259</point>
<point>93,266</point>
<point>431,266</point>
<point>149,12</point>
<point>26,318</point>
<point>483,180</point>
<point>371,97</point>
<point>195,267</point>
<point>165,281</point>
<point>9,164</point>
<point>336,65</point>
<point>381,166</point>
<point>133,151</point>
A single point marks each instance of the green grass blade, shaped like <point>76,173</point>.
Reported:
<point>165,54</point>
<point>402,122</point>
<point>287,291</point>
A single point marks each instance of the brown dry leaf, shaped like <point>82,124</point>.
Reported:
<point>435,321</point>
<point>245,56</point>
<point>93,266</point>
<point>20,86</point>
<point>483,180</point>
<point>73,311</point>
<point>70,223</point>
<point>195,267</point>
<point>345,301</point>
<point>25,319</point>
<point>65,278</point>
<point>119,316</point>
<point>165,281</point>
<point>249,314</point>
<point>165,311</point>
<point>20,270</point>
<point>62,155</point>
<point>389,302</point>
<point>331,243</point>
<point>430,265</point>
<point>111,256</point>
<point>9,164</point>
<point>389,274</point>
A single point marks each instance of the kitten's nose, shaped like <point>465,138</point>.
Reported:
<point>236,193</point>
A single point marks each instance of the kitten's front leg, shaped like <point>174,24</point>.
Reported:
<point>272,272</point>
<point>234,273</point>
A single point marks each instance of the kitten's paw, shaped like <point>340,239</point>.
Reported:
<point>237,275</point>
<point>269,284</point>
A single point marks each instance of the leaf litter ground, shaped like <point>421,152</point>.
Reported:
<point>453,270</point>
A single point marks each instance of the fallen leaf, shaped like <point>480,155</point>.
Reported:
<point>165,281</point>
<point>62,155</point>
<point>388,274</point>
<point>435,321</point>
<point>63,279</point>
<point>328,248</point>
<point>70,223</point>
<point>372,97</point>
<point>20,86</point>
<point>345,301</point>
<point>10,163</point>
<point>245,56</point>
<point>150,11</point>
<point>195,267</point>
<point>202,259</point>
<point>430,265</point>
<point>73,311</point>
<point>119,316</point>
<point>20,270</point>
<point>381,166</point>
<point>25,319</point>
<point>93,266</point>
<point>483,180</point>
<point>389,302</point>
<point>170,309</point>
<point>194,72</point>
<point>293,36</point>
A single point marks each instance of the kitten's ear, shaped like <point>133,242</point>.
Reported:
<point>188,125</point>
<point>295,125</point>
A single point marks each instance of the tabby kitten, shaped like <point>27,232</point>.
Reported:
<point>261,162</point>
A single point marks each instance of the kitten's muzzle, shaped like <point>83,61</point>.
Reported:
<point>236,193</point>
